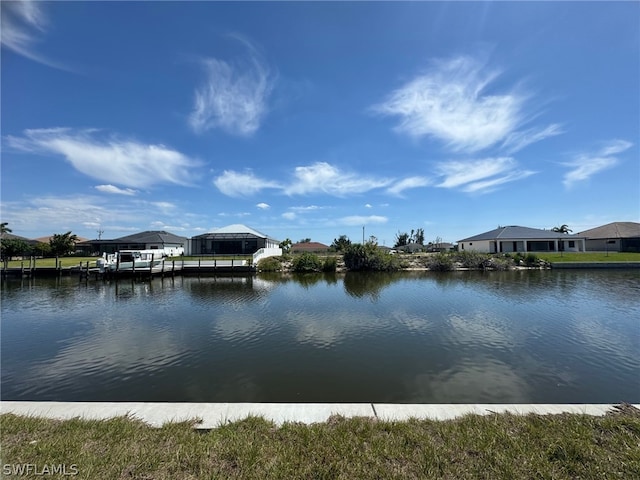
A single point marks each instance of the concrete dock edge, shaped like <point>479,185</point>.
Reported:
<point>213,415</point>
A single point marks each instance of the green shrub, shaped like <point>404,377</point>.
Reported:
<point>307,262</point>
<point>440,262</point>
<point>330,264</point>
<point>369,257</point>
<point>531,259</point>
<point>471,259</point>
<point>500,263</point>
<point>269,264</point>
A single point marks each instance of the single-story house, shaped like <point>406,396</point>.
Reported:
<point>411,248</point>
<point>522,239</point>
<point>614,237</point>
<point>311,247</point>
<point>166,243</point>
<point>234,239</point>
<point>440,247</point>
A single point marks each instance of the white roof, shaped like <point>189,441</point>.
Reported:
<point>238,228</point>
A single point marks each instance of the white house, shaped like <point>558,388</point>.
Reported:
<point>522,239</point>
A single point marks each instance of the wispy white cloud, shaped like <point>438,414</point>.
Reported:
<point>289,215</point>
<point>22,24</point>
<point>451,102</point>
<point>322,177</point>
<point>124,162</point>
<point>584,166</point>
<point>306,208</point>
<point>362,220</point>
<point>240,184</point>
<point>236,214</point>
<point>234,95</point>
<point>408,183</point>
<point>516,141</point>
<point>263,206</point>
<point>115,190</point>
<point>480,176</point>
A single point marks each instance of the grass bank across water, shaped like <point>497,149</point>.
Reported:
<point>493,446</point>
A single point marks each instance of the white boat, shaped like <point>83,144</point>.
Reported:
<point>130,260</point>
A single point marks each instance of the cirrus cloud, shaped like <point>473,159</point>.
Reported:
<point>115,190</point>
<point>240,184</point>
<point>480,176</point>
<point>234,95</point>
<point>114,160</point>
<point>451,102</point>
<point>585,165</point>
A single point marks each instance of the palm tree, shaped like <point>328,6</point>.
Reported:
<point>562,229</point>
<point>4,228</point>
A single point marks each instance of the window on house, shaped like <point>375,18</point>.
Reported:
<point>611,241</point>
<point>572,244</point>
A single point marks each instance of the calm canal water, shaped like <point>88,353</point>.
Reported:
<point>461,337</point>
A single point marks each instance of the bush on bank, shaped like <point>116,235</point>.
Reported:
<point>307,262</point>
<point>270,264</point>
<point>358,257</point>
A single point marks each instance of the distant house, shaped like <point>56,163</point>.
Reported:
<point>311,247</point>
<point>522,239</point>
<point>411,248</point>
<point>166,243</point>
<point>614,237</point>
<point>440,247</point>
<point>234,239</point>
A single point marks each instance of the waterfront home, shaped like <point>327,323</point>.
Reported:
<point>613,237</point>
<point>522,239</point>
<point>167,244</point>
<point>234,239</point>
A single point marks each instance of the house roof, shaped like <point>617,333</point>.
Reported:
<point>46,239</point>
<point>514,232</point>
<point>309,246</point>
<point>11,236</point>
<point>411,246</point>
<point>613,230</point>
<point>235,230</point>
<point>149,236</point>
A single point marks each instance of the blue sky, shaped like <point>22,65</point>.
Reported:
<point>316,119</point>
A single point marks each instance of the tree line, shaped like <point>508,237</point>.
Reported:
<point>60,244</point>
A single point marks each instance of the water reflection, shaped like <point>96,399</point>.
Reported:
<point>405,337</point>
<point>369,284</point>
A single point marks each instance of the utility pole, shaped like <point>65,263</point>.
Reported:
<point>100,232</point>
<point>363,235</point>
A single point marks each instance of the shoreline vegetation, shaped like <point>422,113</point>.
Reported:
<point>372,259</point>
<point>564,446</point>
<point>369,258</point>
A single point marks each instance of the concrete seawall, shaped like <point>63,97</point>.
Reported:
<point>559,265</point>
<point>213,415</point>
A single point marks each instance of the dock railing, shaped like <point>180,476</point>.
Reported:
<point>266,252</point>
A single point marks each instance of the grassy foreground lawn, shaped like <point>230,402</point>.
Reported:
<point>490,447</point>
<point>589,257</point>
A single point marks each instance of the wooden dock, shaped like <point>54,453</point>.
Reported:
<point>165,268</point>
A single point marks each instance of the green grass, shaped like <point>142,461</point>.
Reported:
<point>589,257</point>
<point>489,447</point>
<point>51,262</point>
